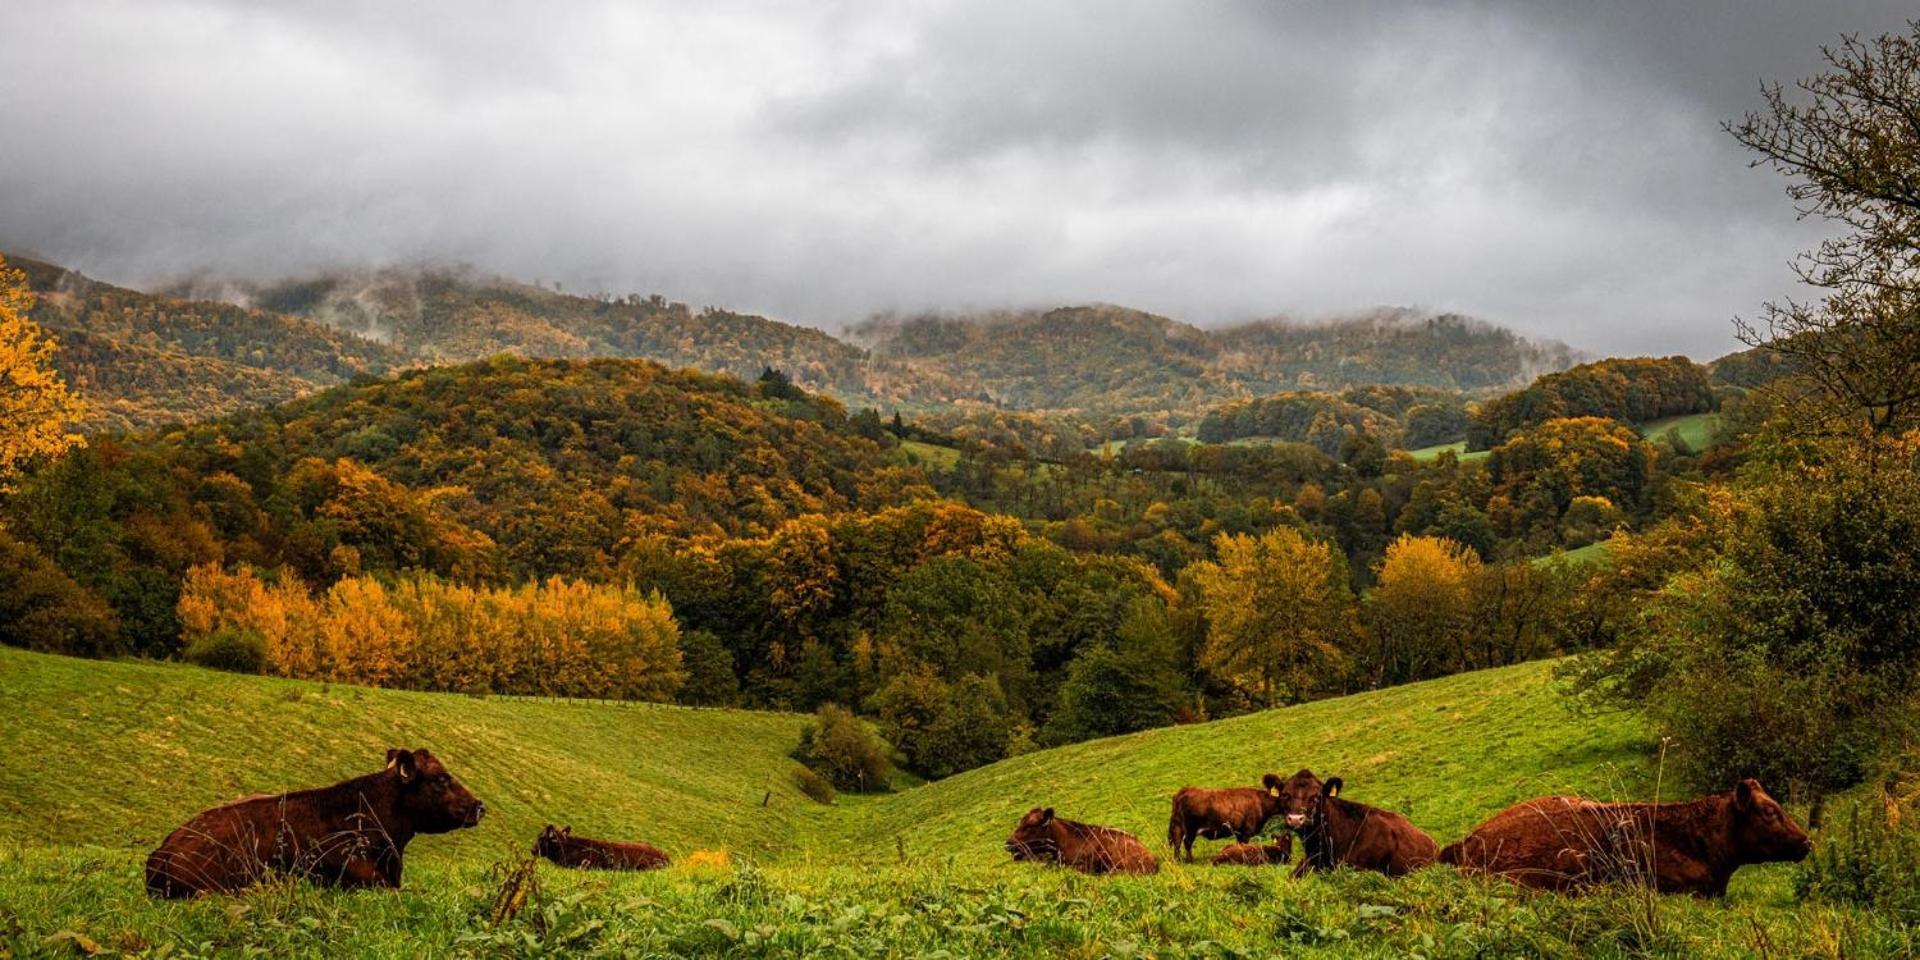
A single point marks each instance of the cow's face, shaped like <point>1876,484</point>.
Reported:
<point>1300,796</point>
<point>1762,830</point>
<point>548,844</point>
<point>430,796</point>
<point>1034,838</point>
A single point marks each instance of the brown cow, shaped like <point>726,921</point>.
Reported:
<point>1256,854</point>
<point>350,835</point>
<point>562,847</point>
<point>1218,813</point>
<point>1566,843</point>
<point>1082,846</point>
<point>1334,831</point>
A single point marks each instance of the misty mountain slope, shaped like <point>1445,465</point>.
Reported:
<point>1107,360</point>
<point>141,359</point>
<point>453,315</point>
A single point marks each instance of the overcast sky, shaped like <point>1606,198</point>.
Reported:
<point>1555,166</point>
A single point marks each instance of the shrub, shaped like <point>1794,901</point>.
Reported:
<point>234,649</point>
<point>817,788</point>
<point>841,748</point>
<point>41,608</point>
<point>1870,857</point>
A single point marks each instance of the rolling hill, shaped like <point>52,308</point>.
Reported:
<point>98,760</point>
<point>110,772</point>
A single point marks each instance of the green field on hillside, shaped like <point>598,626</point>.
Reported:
<point>1459,448</point>
<point>98,760</point>
<point>1698,430</point>
<point>931,455</point>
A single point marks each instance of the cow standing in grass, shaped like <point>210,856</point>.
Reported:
<point>1566,843</point>
<point>1082,846</point>
<point>563,848</point>
<point>1218,813</point>
<point>350,835</point>
<point>1335,831</point>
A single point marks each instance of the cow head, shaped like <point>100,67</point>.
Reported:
<point>548,844</point>
<point>1300,796</point>
<point>1034,838</point>
<point>431,799</point>
<point>1762,830</point>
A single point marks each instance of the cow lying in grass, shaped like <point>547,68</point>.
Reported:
<point>1566,843</point>
<point>351,834</point>
<point>563,848</point>
<point>1220,812</point>
<point>1335,831</point>
<point>1256,854</point>
<point>1082,846</point>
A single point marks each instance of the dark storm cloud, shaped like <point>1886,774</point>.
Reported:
<point>1554,166</point>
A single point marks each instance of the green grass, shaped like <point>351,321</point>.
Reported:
<point>1598,553</point>
<point>1697,429</point>
<point>98,760</point>
<point>1459,448</point>
<point>931,455</point>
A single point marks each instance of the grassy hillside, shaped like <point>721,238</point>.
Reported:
<point>1446,753</point>
<point>97,760</point>
<point>118,754</point>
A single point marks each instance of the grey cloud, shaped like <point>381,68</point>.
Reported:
<point>1553,166</point>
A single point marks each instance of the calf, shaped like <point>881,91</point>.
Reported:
<point>567,850</point>
<point>1237,812</point>
<point>1566,843</point>
<point>1256,854</point>
<point>1082,846</point>
<point>351,834</point>
<point>1334,831</point>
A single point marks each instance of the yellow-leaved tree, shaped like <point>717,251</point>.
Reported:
<point>1279,614</point>
<point>35,406</point>
<point>1419,613</point>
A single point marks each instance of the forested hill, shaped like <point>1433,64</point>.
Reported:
<point>141,359</point>
<point>454,315</point>
<point>1106,360</point>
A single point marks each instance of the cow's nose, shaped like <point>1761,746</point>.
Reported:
<point>1296,819</point>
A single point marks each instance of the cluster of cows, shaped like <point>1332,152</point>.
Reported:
<point>1550,843</point>
<point>354,833</point>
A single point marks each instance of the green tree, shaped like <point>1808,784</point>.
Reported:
<point>1134,683</point>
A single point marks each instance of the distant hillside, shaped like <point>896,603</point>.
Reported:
<point>141,359</point>
<point>453,315</point>
<point>1106,360</point>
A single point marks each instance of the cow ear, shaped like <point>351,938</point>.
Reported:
<point>1332,787</point>
<point>1272,782</point>
<point>1743,793</point>
<point>1046,816</point>
<point>393,755</point>
<point>402,763</point>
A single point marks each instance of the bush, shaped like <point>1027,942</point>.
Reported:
<point>233,649</point>
<point>41,608</point>
<point>711,681</point>
<point>817,788</point>
<point>1869,857</point>
<point>839,747</point>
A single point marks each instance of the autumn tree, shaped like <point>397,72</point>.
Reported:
<point>35,406</point>
<point>1418,613</point>
<point>1280,613</point>
<point>1849,140</point>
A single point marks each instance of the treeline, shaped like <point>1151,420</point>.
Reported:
<point>1632,390</point>
<point>415,632</point>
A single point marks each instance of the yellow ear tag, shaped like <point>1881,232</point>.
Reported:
<point>1334,792</point>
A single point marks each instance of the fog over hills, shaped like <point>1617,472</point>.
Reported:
<point>1557,168</point>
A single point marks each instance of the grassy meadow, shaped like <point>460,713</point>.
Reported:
<point>99,760</point>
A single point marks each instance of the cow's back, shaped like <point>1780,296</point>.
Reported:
<point>1550,843</point>
<point>225,848</point>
